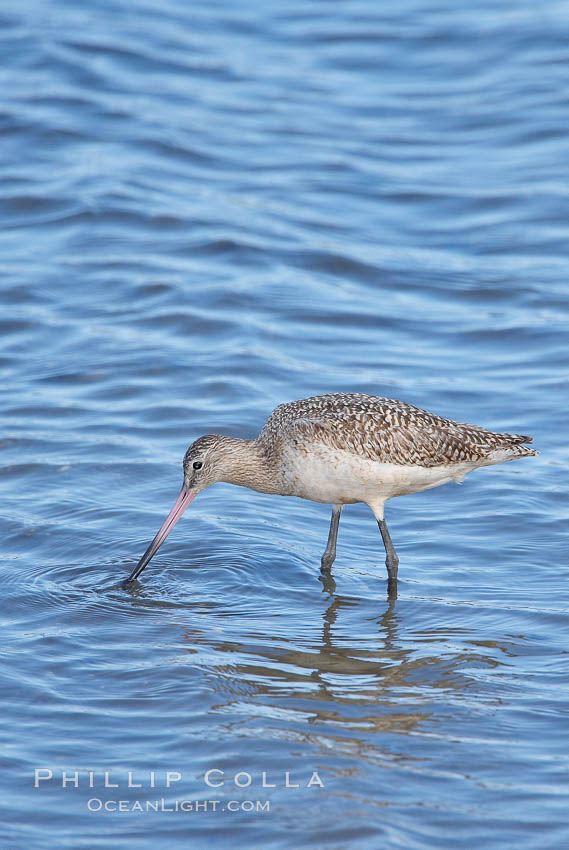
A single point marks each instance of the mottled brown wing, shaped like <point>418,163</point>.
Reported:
<point>405,440</point>
<point>384,429</point>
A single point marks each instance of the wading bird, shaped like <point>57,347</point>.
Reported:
<point>340,449</point>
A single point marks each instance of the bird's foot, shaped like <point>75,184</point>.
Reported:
<point>391,589</point>
<point>327,579</point>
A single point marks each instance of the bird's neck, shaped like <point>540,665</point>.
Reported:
<point>246,464</point>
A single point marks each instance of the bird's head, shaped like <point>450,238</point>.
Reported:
<point>204,462</point>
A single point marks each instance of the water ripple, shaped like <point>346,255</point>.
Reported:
<point>210,209</point>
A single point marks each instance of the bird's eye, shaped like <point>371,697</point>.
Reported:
<point>197,464</point>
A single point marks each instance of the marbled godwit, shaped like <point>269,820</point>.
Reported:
<point>340,449</point>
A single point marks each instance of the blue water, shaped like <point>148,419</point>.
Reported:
<point>210,208</point>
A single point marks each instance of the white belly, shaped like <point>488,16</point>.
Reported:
<point>336,477</point>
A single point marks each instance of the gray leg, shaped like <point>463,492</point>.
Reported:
<point>391,561</point>
<point>330,552</point>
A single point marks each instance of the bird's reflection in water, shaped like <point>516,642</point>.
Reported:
<point>355,673</point>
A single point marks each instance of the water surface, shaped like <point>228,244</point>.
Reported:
<point>210,208</point>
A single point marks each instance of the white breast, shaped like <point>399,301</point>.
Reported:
<point>337,477</point>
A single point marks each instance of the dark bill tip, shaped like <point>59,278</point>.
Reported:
<point>184,498</point>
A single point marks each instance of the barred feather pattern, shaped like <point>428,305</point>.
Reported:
<point>386,430</point>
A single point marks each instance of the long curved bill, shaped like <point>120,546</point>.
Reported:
<point>184,498</point>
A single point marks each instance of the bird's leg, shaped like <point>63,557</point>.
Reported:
<point>330,552</point>
<point>391,560</point>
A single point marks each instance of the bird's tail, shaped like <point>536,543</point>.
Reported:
<point>511,447</point>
